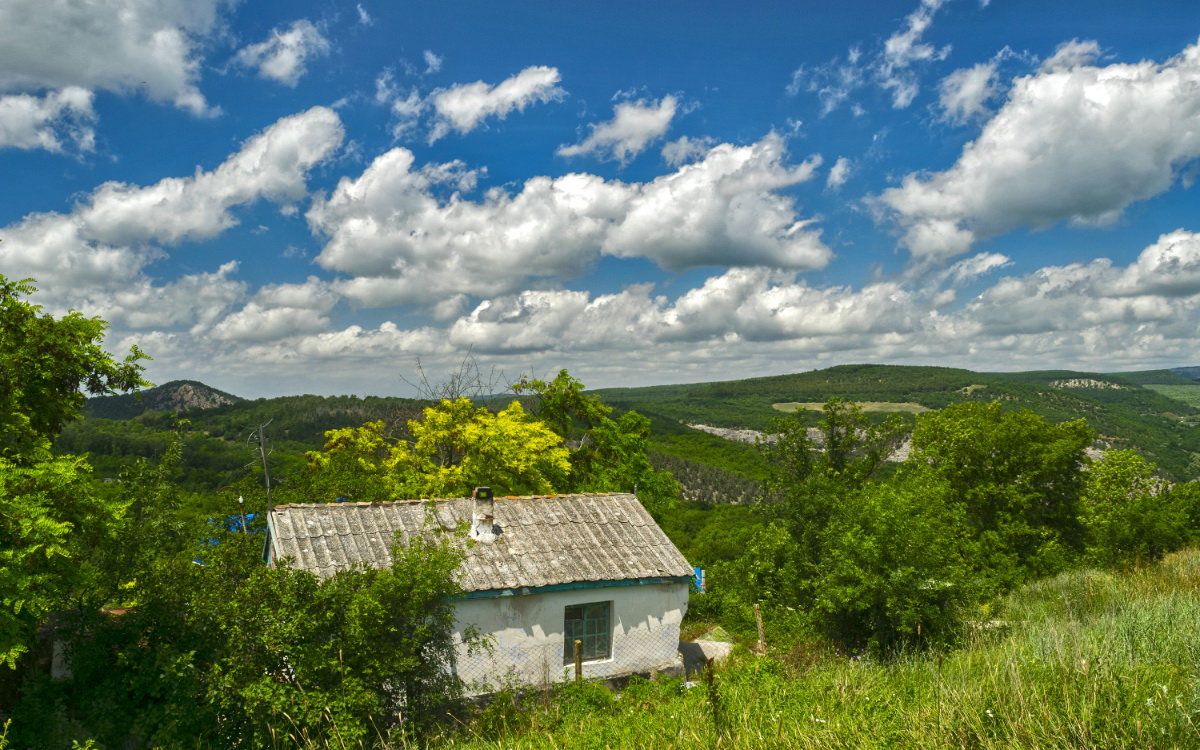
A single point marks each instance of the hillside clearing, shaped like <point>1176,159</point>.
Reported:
<point>876,406</point>
<point>1188,394</point>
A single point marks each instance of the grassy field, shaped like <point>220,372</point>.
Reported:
<point>1188,394</point>
<point>1084,660</point>
<point>873,406</point>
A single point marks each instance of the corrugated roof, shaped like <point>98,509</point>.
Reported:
<point>544,540</point>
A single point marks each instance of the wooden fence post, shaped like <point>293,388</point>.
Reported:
<point>578,660</point>
<point>760,648</point>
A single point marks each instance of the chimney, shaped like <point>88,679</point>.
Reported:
<point>483,518</point>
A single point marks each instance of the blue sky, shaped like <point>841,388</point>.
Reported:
<point>309,197</point>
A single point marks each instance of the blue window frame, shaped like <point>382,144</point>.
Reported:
<point>590,624</point>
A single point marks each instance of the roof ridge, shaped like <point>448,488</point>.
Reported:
<point>416,500</point>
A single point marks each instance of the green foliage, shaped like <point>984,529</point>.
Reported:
<point>48,512</point>
<point>456,447</point>
<point>1126,415</point>
<point>851,450</point>
<point>48,362</point>
<point>231,653</point>
<point>1019,479</point>
<point>1129,514</point>
<point>605,455</point>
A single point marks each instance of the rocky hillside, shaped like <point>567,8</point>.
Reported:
<point>176,396</point>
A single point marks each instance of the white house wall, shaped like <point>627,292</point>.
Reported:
<point>525,635</point>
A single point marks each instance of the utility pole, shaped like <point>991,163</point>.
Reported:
<point>261,434</point>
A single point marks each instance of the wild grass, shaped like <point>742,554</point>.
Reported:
<point>1087,659</point>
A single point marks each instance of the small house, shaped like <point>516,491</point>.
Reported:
<point>539,573</point>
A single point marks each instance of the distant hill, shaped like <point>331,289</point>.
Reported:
<point>176,396</point>
<point>1159,377</point>
<point>216,434</point>
<point>1191,373</point>
<point>1175,383</point>
<point>1121,410</point>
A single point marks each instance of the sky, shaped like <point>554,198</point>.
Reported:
<point>314,197</point>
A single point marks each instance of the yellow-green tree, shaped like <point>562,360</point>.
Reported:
<point>456,447</point>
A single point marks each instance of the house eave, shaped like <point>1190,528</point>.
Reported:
<point>575,586</point>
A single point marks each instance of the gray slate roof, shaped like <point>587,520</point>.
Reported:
<point>545,540</point>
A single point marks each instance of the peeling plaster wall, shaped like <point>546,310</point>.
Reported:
<point>526,635</point>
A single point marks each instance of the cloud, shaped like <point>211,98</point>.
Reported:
<point>400,243</point>
<point>839,173</point>
<point>740,322</point>
<point>364,18</point>
<point>1072,313</point>
<point>891,67</point>
<point>59,121</point>
<point>462,108</point>
<point>686,149</point>
<point>1077,144</point>
<point>903,49</point>
<point>278,311</point>
<point>964,93</point>
<point>635,124</point>
<point>100,248</point>
<point>284,56</point>
<point>1073,54</point>
<point>433,63</point>
<point>150,46</point>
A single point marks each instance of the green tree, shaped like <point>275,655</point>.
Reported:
<point>1019,479</point>
<point>1128,513</point>
<point>49,514</point>
<point>851,450</point>
<point>606,454</point>
<point>48,364</point>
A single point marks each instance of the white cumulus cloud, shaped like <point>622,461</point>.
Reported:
<point>59,121</point>
<point>839,173</point>
<point>635,124</point>
<point>463,107</point>
<point>151,46</point>
<point>1078,143</point>
<point>685,149</point>
<point>99,249</point>
<point>1073,54</point>
<point>400,243</point>
<point>284,55</point>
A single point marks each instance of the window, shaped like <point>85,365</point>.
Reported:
<point>588,623</point>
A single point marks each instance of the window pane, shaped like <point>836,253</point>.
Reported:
<point>589,624</point>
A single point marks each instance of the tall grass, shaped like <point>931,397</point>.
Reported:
<point>1083,660</point>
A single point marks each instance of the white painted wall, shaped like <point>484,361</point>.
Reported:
<point>526,635</point>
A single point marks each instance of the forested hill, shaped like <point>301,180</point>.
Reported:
<point>175,396</point>
<point>1125,413</point>
<point>217,438</point>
